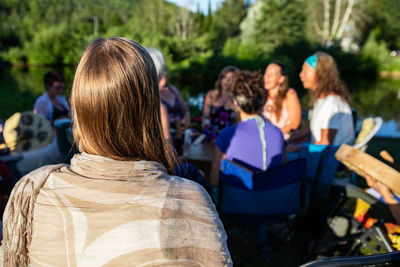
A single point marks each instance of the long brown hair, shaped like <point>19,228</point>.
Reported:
<point>222,74</point>
<point>328,79</point>
<point>283,89</point>
<point>115,103</point>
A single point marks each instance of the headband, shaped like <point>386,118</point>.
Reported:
<point>312,61</point>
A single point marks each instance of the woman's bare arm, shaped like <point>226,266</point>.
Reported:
<point>165,122</point>
<point>208,99</point>
<point>294,109</point>
<point>327,137</point>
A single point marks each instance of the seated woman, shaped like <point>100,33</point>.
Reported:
<point>170,96</point>
<point>158,60</point>
<point>174,113</point>
<point>116,204</point>
<point>331,120</point>
<point>219,111</point>
<point>282,107</point>
<point>51,104</point>
<point>254,140</point>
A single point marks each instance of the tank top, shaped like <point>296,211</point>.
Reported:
<point>269,113</point>
<point>175,111</point>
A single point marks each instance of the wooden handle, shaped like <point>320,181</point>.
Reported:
<point>365,165</point>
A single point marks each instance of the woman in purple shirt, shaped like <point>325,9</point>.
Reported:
<point>254,140</point>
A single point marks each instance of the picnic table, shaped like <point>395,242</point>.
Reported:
<point>200,155</point>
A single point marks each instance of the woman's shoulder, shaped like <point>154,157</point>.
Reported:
<point>42,98</point>
<point>173,88</point>
<point>186,189</point>
<point>335,100</point>
<point>30,184</point>
<point>212,93</point>
<point>291,96</point>
<point>291,93</point>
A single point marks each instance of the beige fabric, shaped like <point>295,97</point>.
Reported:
<point>18,216</point>
<point>100,211</point>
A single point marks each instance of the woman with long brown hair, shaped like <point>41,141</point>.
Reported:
<point>331,120</point>
<point>116,204</point>
<point>283,106</point>
<point>218,109</point>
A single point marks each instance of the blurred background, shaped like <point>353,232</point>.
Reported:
<point>199,38</point>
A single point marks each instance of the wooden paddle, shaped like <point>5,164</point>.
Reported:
<point>365,165</point>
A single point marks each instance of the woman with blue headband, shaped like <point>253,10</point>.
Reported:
<point>331,120</point>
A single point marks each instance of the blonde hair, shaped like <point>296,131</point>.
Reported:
<point>328,79</point>
<point>115,103</point>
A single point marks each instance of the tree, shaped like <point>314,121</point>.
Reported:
<point>385,20</point>
<point>226,21</point>
<point>270,23</point>
<point>328,19</point>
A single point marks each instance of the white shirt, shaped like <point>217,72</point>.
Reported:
<point>331,112</point>
<point>44,106</point>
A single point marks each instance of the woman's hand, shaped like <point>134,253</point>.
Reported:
<point>387,195</point>
<point>378,186</point>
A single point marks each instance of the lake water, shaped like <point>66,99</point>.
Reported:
<point>370,97</point>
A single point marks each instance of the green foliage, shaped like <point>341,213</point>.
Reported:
<point>15,55</point>
<point>52,45</point>
<point>226,21</point>
<point>385,18</point>
<point>47,32</point>
<point>376,52</point>
<point>281,21</point>
<point>241,50</point>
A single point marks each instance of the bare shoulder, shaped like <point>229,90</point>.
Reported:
<point>212,94</point>
<point>291,93</point>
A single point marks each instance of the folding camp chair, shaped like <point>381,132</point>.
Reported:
<point>252,198</point>
<point>369,128</point>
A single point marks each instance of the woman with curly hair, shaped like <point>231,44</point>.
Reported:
<point>253,140</point>
<point>331,120</point>
<point>283,106</point>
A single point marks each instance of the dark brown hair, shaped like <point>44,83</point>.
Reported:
<point>115,103</point>
<point>51,77</point>
<point>283,89</point>
<point>222,74</point>
<point>248,91</point>
<point>328,79</point>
